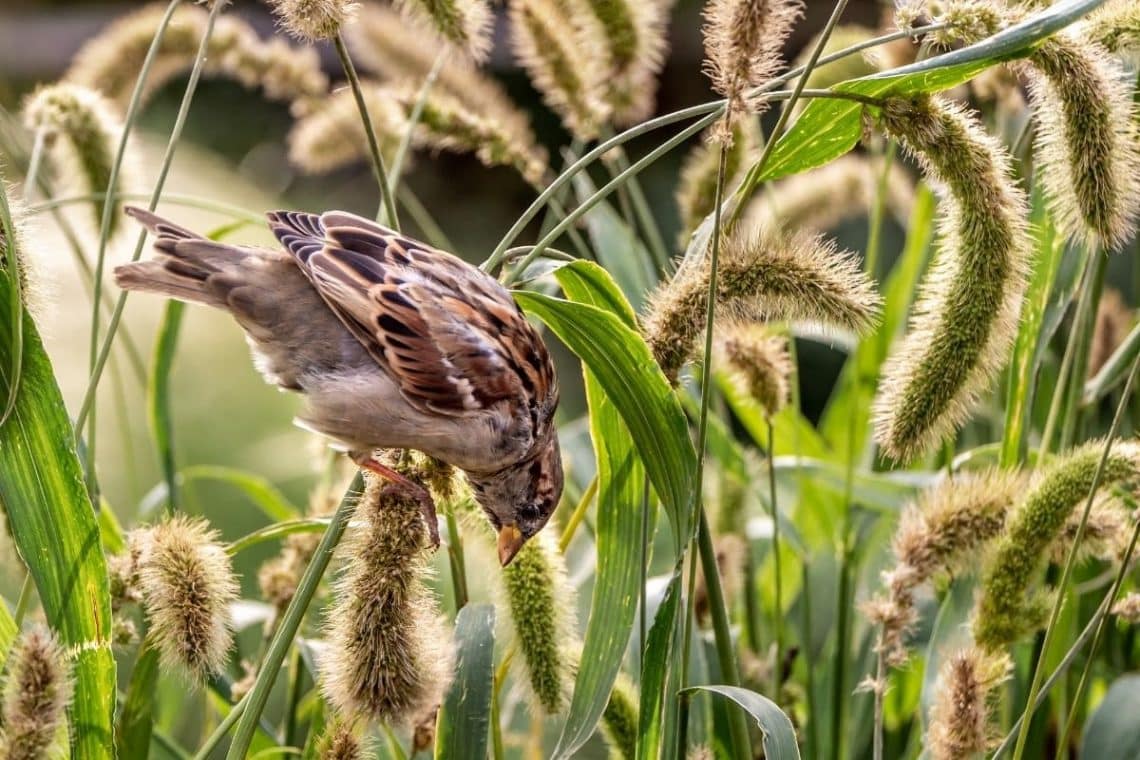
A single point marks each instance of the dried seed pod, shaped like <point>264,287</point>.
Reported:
<point>37,690</point>
<point>313,20</point>
<point>540,603</point>
<point>1009,606</point>
<point>696,191</point>
<point>464,23</point>
<point>967,309</point>
<point>187,585</point>
<point>563,62</point>
<point>82,134</point>
<point>940,534</point>
<point>763,277</point>
<point>961,719</point>
<point>390,657</point>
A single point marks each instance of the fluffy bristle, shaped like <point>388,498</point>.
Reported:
<point>1127,608</point>
<point>763,277</point>
<point>759,360</point>
<point>1116,27</point>
<point>342,740</point>
<point>313,20</point>
<point>390,657</point>
<point>1009,606</point>
<point>619,722</point>
<point>187,586</point>
<point>37,690</point>
<point>465,23</point>
<point>332,135</point>
<point>961,718</point>
<point>630,35</point>
<point>967,308</point>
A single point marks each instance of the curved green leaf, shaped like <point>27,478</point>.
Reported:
<point>1112,732</point>
<point>259,490</point>
<point>54,528</point>
<point>779,734</point>
<point>655,671</point>
<point>464,717</point>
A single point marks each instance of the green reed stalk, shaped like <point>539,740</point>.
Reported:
<point>387,203</point>
<point>414,118</point>
<point>1070,562</point>
<point>87,406</point>
<point>291,621</point>
<point>774,507</point>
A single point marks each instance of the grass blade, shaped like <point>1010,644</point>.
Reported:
<point>464,718</point>
<point>655,672</point>
<point>779,734</point>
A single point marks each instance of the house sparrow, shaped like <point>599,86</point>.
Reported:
<point>393,344</point>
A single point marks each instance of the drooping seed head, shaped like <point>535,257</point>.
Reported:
<point>631,36</point>
<point>187,585</point>
<point>37,690</point>
<point>967,309</point>
<point>962,717</point>
<point>389,655</point>
<point>313,20</point>
<point>342,740</point>
<point>760,362</point>
<point>763,277</point>
<point>332,135</point>
<point>464,23</point>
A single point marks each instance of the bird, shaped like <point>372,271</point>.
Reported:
<point>393,344</point>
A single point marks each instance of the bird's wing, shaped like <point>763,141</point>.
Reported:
<point>452,337</point>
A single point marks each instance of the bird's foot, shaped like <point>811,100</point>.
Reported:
<point>410,487</point>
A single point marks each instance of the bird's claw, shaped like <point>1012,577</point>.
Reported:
<point>412,488</point>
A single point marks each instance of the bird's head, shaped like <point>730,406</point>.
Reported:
<point>519,499</point>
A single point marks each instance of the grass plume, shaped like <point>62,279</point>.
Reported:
<point>37,690</point>
<point>464,23</point>
<point>961,718</point>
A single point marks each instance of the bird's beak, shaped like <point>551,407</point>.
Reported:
<point>511,540</point>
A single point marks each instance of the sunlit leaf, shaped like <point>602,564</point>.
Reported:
<point>464,717</point>
<point>779,734</point>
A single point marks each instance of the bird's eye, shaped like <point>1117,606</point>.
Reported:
<point>530,512</point>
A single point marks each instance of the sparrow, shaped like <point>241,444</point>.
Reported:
<point>393,344</point>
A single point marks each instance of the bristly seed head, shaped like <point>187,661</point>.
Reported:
<point>313,20</point>
<point>967,308</point>
<point>619,721</point>
<point>187,585</point>
<point>332,135</point>
<point>342,740</point>
<point>389,655</point>
<point>630,36</point>
<point>465,23</point>
<point>961,719</point>
<point>37,690</point>
<point>763,277</point>
<point>696,190</point>
<point>759,360</point>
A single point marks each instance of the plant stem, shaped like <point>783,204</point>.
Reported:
<point>456,560</point>
<point>643,603</point>
<point>291,621</point>
<point>579,514</point>
<point>176,199</point>
<point>414,118</point>
<point>223,728</point>
<point>24,600</point>
<point>100,361</point>
<point>387,203</point>
<point>1070,561</point>
<point>774,507</point>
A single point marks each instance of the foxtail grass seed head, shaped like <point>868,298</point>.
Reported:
<point>1088,141</point>
<point>743,42</point>
<point>696,191</point>
<point>1106,533</point>
<point>1115,26</point>
<point>332,135</point>
<point>37,690</point>
<point>808,200</point>
<point>464,23</point>
<point>564,63</point>
<point>966,314</point>
<point>1114,320</point>
<point>619,720</point>
<point>446,124</point>
<point>540,601</point>
<point>188,586</point>
<point>763,277</point>
<point>1010,606</point>
<point>12,243</point>
<point>390,657</point>
<point>342,740</point>
<point>1127,608</point>
<point>111,60</point>
<point>759,361</point>
<point>961,718</point>
<point>313,20</point>
<point>631,35</point>
<point>940,534</point>
<point>81,132</point>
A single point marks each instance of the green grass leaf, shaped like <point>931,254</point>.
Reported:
<point>264,495</point>
<point>655,671</point>
<point>1112,732</point>
<point>54,528</point>
<point>779,734</point>
<point>626,371</point>
<point>136,720</point>
<point>464,718</point>
<point>618,248</point>
<point>158,396</point>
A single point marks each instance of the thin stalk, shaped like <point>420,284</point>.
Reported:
<point>423,218</point>
<point>414,118</point>
<point>779,621</point>
<point>292,699</point>
<point>455,559</point>
<point>1079,372</point>
<point>880,688</point>
<point>842,634</point>
<point>1109,600</point>
<point>100,362</point>
<point>291,621</point>
<point>277,530</point>
<point>32,177</point>
<point>578,515</point>
<point>1070,561</point>
<point>175,199</point>
<point>643,603</point>
<point>387,203</point>
<point>644,214</point>
<point>223,728</point>
<point>16,312</point>
<point>812,741</point>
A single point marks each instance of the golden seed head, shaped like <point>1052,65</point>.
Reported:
<point>760,362</point>
<point>966,314</point>
<point>187,586</point>
<point>37,690</point>
<point>342,740</point>
<point>629,36</point>
<point>390,657</point>
<point>332,135</point>
<point>540,602</point>
<point>961,718</point>
<point>696,190</point>
<point>313,20</point>
<point>82,133</point>
<point>564,63</point>
<point>464,23</point>
<point>1106,533</point>
<point>763,277</point>
<point>743,43</point>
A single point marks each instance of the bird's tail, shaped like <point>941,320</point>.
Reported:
<point>184,266</point>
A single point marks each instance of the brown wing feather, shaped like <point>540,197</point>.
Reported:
<point>451,336</point>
